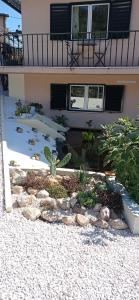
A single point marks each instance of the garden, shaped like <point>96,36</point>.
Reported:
<point>77,195</point>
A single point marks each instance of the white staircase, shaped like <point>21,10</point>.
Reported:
<point>15,4</point>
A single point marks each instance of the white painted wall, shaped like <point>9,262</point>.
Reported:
<point>16,86</point>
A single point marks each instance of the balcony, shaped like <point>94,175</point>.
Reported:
<point>117,50</point>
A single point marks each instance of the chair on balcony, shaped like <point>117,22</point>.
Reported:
<point>101,55</point>
<point>73,55</point>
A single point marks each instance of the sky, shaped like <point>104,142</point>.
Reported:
<point>14,18</point>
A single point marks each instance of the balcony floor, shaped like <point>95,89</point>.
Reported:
<point>67,70</point>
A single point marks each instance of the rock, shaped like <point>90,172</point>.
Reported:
<point>102,224</point>
<point>25,200</point>
<point>79,210</point>
<point>97,207</point>
<point>49,203</point>
<point>49,217</point>
<point>32,142</point>
<point>73,202</point>
<point>105,213</point>
<point>14,200</point>
<point>32,191</point>
<point>69,220</point>
<point>17,189</point>
<point>59,178</point>
<point>82,220</point>
<point>42,194</point>
<point>19,129</point>
<point>113,215</point>
<point>93,220</point>
<point>118,224</point>
<point>64,203</point>
<point>31,213</point>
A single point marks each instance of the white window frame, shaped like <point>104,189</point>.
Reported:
<point>89,20</point>
<point>86,98</point>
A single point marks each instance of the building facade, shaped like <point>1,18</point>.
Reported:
<point>79,58</point>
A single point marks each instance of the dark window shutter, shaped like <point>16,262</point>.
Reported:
<point>120,14</point>
<point>59,96</point>
<point>113,98</point>
<point>60,21</point>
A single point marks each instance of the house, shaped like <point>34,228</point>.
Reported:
<point>3,18</point>
<point>79,58</point>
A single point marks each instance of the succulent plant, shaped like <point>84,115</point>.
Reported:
<point>54,162</point>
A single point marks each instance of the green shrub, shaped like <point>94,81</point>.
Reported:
<point>57,191</point>
<point>120,144</point>
<point>87,199</point>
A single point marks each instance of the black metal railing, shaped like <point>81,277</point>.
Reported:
<point>114,49</point>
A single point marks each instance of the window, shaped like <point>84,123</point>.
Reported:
<point>86,97</point>
<point>88,20</point>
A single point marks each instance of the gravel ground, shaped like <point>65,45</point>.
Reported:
<point>44,261</point>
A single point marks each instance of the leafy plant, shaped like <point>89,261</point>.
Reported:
<point>38,107</point>
<point>71,184</point>
<point>99,186</point>
<point>120,144</point>
<point>62,120</point>
<point>82,176</point>
<point>25,109</point>
<point>53,162</point>
<point>57,191</point>
<point>87,199</point>
<point>13,163</point>
<point>112,200</point>
<point>88,137</point>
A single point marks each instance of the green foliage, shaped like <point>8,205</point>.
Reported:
<point>57,191</point>
<point>120,144</point>
<point>38,107</point>
<point>13,163</point>
<point>25,109</point>
<point>83,176</point>
<point>99,186</point>
<point>53,162</point>
<point>62,120</point>
<point>88,136</point>
<point>89,123</point>
<point>87,199</point>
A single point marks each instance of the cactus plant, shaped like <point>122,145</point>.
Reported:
<point>54,162</point>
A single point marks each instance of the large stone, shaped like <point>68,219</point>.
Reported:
<point>69,220</point>
<point>31,213</point>
<point>64,203</point>
<point>49,217</point>
<point>93,220</point>
<point>97,207</point>
<point>25,200</point>
<point>73,201</point>
<point>102,224</point>
<point>105,213</point>
<point>79,210</point>
<point>42,194</point>
<point>17,189</point>
<point>32,191</point>
<point>82,220</point>
<point>49,203</point>
<point>118,224</point>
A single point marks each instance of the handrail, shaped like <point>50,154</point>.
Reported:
<point>114,49</point>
